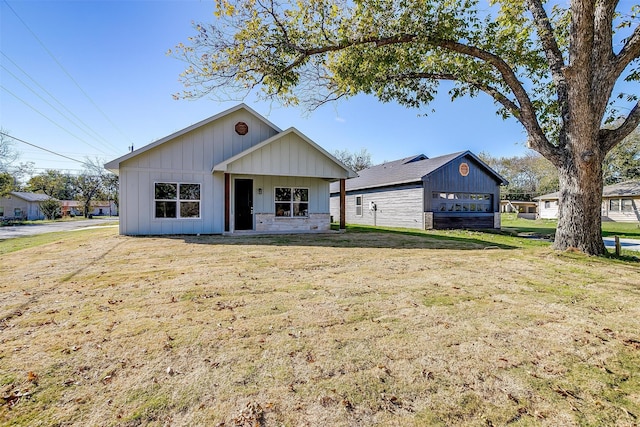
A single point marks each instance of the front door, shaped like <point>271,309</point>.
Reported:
<point>243,204</point>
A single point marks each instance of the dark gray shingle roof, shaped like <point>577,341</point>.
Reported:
<point>30,197</point>
<point>402,171</point>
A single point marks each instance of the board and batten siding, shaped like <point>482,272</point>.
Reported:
<point>448,179</point>
<point>188,158</point>
<point>287,156</point>
<point>400,206</point>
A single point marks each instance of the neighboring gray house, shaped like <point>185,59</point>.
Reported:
<point>620,203</point>
<point>233,171</point>
<point>453,191</point>
<point>22,206</point>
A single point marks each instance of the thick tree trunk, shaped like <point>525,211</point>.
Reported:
<point>580,208</point>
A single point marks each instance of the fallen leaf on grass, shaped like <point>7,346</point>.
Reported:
<point>251,416</point>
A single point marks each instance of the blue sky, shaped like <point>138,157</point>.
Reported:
<point>105,64</point>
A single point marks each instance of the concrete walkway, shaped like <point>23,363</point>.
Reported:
<point>626,244</point>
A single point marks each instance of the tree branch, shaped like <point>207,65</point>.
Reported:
<point>610,137</point>
<point>629,52</point>
<point>489,90</point>
<point>554,57</point>
<point>545,32</point>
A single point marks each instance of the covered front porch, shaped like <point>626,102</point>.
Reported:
<point>281,185</point>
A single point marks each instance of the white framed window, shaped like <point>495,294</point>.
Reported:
<point>626,205</point>
<point>614,205</point>
<point>358,205</point>
<point>176,200</point>
<point>17,213</point>
<point>291,202</point>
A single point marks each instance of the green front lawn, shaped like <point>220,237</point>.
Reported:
<point>547,227</point>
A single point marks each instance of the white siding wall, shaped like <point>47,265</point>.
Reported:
<point>188,159</point>
<point>288,156</point>
<point>550,212</point>
<point>618,215</point>
<point>401,207</point>
<point>29,210</point>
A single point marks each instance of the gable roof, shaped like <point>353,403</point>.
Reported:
<point>228,163</point>
<point>30,197</point>
<point>114,165</point>
<point>627,188</point>
<point>408,170</point>
<point>621,189</point>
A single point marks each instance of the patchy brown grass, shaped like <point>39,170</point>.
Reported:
<point>353,329</point>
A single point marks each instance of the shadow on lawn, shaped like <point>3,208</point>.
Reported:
<point>354,237</point>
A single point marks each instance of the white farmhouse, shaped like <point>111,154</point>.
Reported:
<point>234,171</point>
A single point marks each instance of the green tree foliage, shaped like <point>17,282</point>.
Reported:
<point>51,208</point>
<point>356,160</point>
<point>552,68</point>
<point>529,175</point>
<point>7,183</point>
<point>90,184</point>
<point>53,183</point>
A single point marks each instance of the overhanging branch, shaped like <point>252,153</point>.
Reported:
<point>610,137</point>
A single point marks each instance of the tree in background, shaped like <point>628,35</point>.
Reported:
<point>6,183</point>
<point>54,184</point>
<point>356,160</point>
<point>51,208</point>
<point>552,68</point>
<point>90,184</point>
<point>8,153</point>
<point>529,175</point>
<point>111,186</point>
<point>623,162</point>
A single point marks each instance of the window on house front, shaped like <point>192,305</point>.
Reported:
<point>358,205</point>
<point>17,213</point>
<point>292,202</point>
<point>462,202</point>
<point>177,200</point>
<point>627,205</point>
<point>614,205</point>
<point>547,204</point>
<point>1,211</point>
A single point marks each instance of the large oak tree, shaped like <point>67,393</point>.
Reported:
<point>552,66</point>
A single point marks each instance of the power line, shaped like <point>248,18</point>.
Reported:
<point>95,134</point>
<point>44,149</point>
<point>43,115</point>
<point>49,104</point>
<point>66,72</point>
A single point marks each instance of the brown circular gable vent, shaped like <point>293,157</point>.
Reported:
<point>242,128</point>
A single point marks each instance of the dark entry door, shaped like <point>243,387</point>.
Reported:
<point>244,204</point>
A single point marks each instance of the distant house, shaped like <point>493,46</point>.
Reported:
<point>524,209</point>
<point>453,191</point>
<point>620,203</point>
<point>234,171</point>
<point>22,206</point>
<point>98,208</point>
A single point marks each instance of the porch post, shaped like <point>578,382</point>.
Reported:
<point>343,210</point>
<point>227,201</point>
